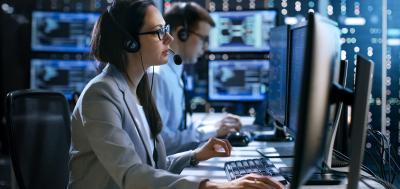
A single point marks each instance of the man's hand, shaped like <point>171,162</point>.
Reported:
<point>230,123</point>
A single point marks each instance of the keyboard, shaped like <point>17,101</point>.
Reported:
<point>261,166</point>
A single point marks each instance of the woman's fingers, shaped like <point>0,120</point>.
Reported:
<point>256,184</point>
<point>269,181</point>
<point>229,144</point>
<point>221,144</point>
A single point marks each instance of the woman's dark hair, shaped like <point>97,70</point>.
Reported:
<point>107,47</point>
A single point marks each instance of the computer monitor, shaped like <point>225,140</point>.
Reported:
<point>66,76</point>
<point>277,90</point>
<point>62,31</point>
<point>320,58</point>
<point>359,101</point>
<point>298,37</point>
<point>241,31</point>
<point>237,80</point>
<point>359,118</point>
<point>275,104</point>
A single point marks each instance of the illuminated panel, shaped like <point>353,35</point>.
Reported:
<point>239,5</point>
<point>62,32</point>
<point>237,80</point>
<point>72,5</point>
<point>65,76</point>
<point>241,31</point>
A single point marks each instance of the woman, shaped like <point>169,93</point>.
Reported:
<point>115,124</point>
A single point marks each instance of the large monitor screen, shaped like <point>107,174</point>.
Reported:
<point>298,44</point>
<point>66,76</point>
<point>244,31</point>
<point>314,59</point>
<point>277,92</point>
<point>62,32</point>
<point>237,80</point>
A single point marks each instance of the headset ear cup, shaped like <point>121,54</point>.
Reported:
<point>183,35</point>
<point>132,45</point>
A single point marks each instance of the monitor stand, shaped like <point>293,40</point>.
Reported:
<point>326,177</point>
<point>321,177</point>
<point>280,135</point>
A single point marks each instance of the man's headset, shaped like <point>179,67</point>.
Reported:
<point>183,33</point>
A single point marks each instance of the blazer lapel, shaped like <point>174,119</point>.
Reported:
<point>133,110</point>
<point>131,106</point>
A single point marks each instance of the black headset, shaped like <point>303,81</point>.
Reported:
<point>131,43</point>
<point>183,33</point>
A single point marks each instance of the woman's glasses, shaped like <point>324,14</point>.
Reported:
<point>161,33</point>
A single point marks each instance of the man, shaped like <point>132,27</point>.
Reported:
<point>190,25</point>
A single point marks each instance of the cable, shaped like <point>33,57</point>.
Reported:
<point>152,78</point>
<point>341,156</point>
<point>380,155</point>
<point>145,75</point>
<point>363,181</point>
<point>382,146</point>
<point>376,162</point>
<point>347,159</point>
<point>390,146</point>
<point>378,180</point>
<point>391,158</point>
<point>381,142</point>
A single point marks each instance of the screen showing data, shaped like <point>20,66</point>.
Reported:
<point>244,31</point>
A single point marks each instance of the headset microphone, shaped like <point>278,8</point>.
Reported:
<point>177,58</point>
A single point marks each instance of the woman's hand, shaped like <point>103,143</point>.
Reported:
<point>256,181</point>
<point>230,123</point>
<point>250,181</point>
<point>213,148</point>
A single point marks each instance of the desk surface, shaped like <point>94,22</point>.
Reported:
<point>213,169</point>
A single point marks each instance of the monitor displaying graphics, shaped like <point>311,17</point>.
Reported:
<point>237,80</point>
<point>277,93</point>
<point>62,32</point>
<point>244,31</point>
<point>66,76</point>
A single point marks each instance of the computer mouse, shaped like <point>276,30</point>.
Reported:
<point>238,139</point>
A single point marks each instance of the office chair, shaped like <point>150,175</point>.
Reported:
<point>38,126</point>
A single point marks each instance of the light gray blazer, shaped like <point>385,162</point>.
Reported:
<point>107,151</point>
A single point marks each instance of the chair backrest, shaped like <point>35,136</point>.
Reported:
<point>38,125</point>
